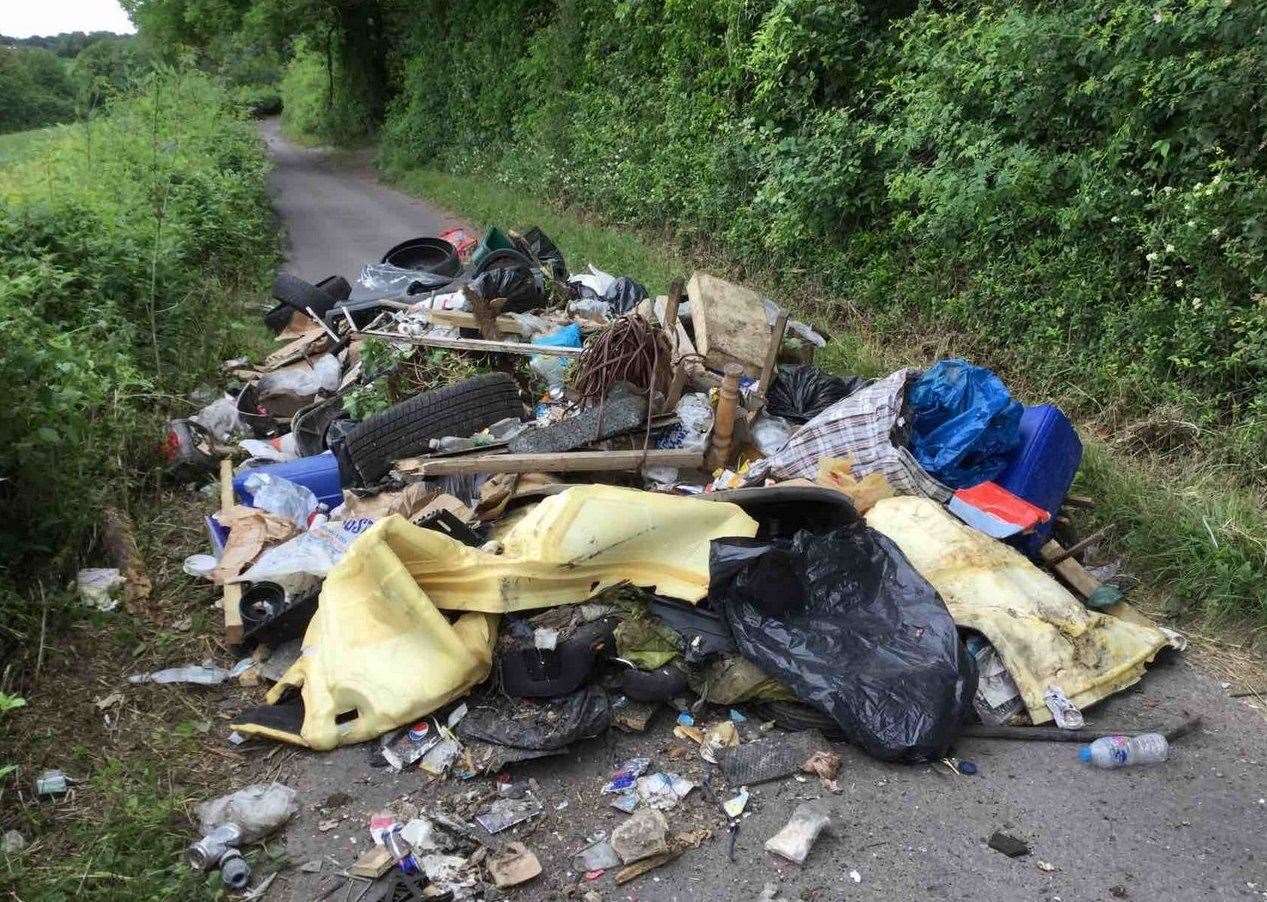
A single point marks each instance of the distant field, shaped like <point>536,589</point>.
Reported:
<point>16,146</point>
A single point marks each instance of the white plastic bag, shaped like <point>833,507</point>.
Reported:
<point>220,418</point>
<point>276,449</point>
<point>695,418</point>
<point>315,552</point>
<point>258,810</point>
<point>770,434</point>
<point>282,497</point>
<point>301,380</point>
<point>99,587</point>
<point>595,280</point>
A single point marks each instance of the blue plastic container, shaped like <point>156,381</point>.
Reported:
<point>1042,469</point>
<point>320,473</point>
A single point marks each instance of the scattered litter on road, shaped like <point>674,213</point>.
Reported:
<point>798,835</point>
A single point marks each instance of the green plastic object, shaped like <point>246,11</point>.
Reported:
<point>494,240</point>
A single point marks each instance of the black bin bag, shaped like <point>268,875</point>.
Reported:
<point>800,393</point>
<point>847,623</point>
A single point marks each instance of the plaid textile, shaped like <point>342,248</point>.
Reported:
<point>857,427</point>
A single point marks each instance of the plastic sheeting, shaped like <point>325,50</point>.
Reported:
<point>517,284</point>
<point>543,727</point>
<point>800,393</point>
<point>624,294</point>
<point>844,620</point>
<point>377,647</point>
<point>382,280</point>
<point>966,425</point>
<point>1045,635</point>
<point>546,252</point>
<point>566,549</point>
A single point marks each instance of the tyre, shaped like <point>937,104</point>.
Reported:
<point>405,429</point>
<point>426,255</point>
<point>336,286</point>
<point>278,318</point>
<point>301,295</point>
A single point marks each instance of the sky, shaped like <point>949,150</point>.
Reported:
<point>24,18</point>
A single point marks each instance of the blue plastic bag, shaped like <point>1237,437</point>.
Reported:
<point>554,368</point>
<point>965,425</point>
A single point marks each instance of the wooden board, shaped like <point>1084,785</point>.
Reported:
<point>1070,572</point>
<point>571,462</point>
<point>232,599</point>
<point>730,323</point>
<point>1082,583</point>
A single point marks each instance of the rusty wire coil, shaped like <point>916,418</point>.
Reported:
<point>630,350</point>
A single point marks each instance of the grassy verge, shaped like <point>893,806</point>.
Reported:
<point>1186,529</point>
<point>18,146</point>
<point>143,756</point>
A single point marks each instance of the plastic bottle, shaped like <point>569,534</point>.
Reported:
<point>235,871</point>
<point>1126,751</point>
<point>282,497</point>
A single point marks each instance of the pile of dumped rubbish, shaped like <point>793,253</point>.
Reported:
<point>491,508</point>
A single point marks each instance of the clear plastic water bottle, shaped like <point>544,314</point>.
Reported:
<point>1126,751</point>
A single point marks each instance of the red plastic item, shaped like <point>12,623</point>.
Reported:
<point>995,511</point>
<point>462,240</point>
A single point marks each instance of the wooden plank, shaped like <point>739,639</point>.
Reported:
<point>730,323</point>
<point>477,344</point>
<point>1070,571</point>
<point>571,462</point>
<point>461,319</point>
<point>772,354</point>
<point>232,598</point>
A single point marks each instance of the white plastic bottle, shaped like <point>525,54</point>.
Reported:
<point>1126,751</point>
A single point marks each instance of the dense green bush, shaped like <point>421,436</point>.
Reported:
<point>35,89</point>
<point>125,246</point>
<point>1074,188</point>
<point>309,112</point>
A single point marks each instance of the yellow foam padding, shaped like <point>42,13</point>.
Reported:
<point>570,547</point>
<point>1045,635</point>
<point>380,646</point>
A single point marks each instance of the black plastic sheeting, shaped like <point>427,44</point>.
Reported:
<point>539,727</point>
<point>848,625</point>
<point>517,284</point>
<point>624,295</point>
<point>546,253</point>
<point>800,393</point>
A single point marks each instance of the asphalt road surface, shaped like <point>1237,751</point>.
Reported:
<point>1193,828</point>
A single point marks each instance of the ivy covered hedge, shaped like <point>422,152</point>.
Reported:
<point>1077,189</point>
